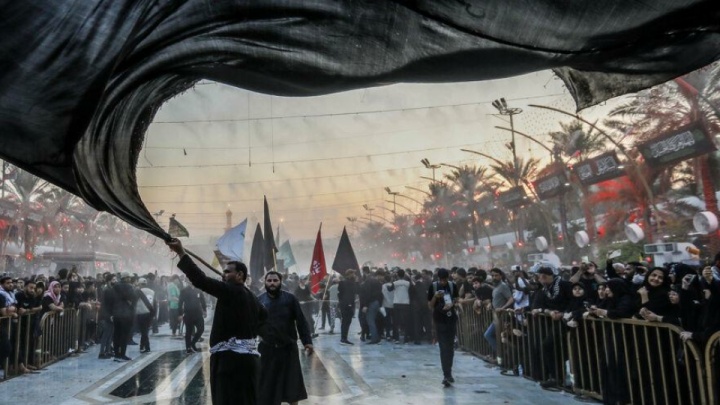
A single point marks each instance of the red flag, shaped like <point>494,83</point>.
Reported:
<point>318,271</point>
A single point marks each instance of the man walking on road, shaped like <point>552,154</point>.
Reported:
<point>442,296</point>
<point>281,378</point>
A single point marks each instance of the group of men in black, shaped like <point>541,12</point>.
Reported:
<point>246,372</point>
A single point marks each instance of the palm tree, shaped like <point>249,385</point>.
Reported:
<point>576,143</point>
<point>28,192</point>
<point>470,182</point>
<point>662,109</point>
<point>515,176</point>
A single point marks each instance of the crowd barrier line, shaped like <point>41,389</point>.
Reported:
<point>658,366</point>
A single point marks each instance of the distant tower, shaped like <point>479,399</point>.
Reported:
<point>228,216</point>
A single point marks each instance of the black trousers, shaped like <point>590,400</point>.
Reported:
<point>422,322</point>
<point>194,328</point>
<point>143,322</point>
<point>391,324</point>
<point>234,378</point>
<point>121,335</point>
<point>404,319</point>
<point>446,341</point>
<point>346,312</point>
<point>107,331</point>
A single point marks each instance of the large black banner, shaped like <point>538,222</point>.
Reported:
<point>513,198</point>
<point>600,168</point>
<point>676,146</point>
<point>551,185</point>
<point>80,81</point>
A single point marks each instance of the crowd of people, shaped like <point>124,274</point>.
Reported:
<point>114,307</point>
<point>399,306</point>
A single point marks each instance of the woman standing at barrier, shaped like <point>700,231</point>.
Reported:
<point>51,299</point>
<point>617,304</point>
<point>654,294</point>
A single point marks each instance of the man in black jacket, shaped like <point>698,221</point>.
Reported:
<point>370,300</point>
<point>281,379</point>
<point>192,309</point>
<point>121,307</point>
<point>347,292</point>
<point>551,300</point>
<point>234,359</point>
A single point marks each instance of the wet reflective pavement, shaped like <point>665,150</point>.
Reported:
<point>362,374</point>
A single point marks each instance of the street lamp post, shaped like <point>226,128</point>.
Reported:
<point>393,194</point>
<point>503,109</point>
<point>420,190</point>
<point>427,164</point>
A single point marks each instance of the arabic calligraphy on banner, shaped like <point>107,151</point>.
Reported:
<point>600,168</point>
<point>513,198</point>
<point>676,146</point>
<point>550,186</point>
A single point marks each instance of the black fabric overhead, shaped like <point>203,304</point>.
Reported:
<point>80,81</point>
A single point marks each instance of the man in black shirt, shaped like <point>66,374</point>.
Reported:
<point>192,309</point>
<point>281,379</point>
<point>26,302</point>
<point>234,359</point>
<point>370,300</point>
<point>442,297</point>
<point>347,292</point>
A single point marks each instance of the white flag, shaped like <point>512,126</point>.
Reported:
<point>232,243</point>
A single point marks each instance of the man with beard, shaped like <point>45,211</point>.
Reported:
<point>27,301</point>
<point>234,359</point>
<point>281,378</point>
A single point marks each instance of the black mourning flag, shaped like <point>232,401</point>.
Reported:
<point>257,255</point>
<point>345,256</point>
<point>80,81</point>
<point>269,247</point>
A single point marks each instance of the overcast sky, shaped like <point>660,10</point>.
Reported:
<point>320,159</point>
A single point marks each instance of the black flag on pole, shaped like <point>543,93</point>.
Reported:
<point>176,229</point>
<point>270,248</point>
<point>345,256</point>
<point>257,255</point>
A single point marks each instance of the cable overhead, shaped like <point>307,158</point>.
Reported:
<point>352,113</point>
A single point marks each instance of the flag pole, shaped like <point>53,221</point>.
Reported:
<point>198,258</point>
<point>322,301</point>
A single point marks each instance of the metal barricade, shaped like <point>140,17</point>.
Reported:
<point>512,343</point>
<point>87,325</point>
<point>712,361</point>
<point>635,361</point>
<point>59,336</point>
<point>547,350</point>
<point>646,362</point>
<point>18,342</point>
<point>471,330</point>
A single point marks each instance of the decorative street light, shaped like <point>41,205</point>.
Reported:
<point>503,109</point>
<point>393,194</point>
<point>427,165</point>
<point>397,193</point>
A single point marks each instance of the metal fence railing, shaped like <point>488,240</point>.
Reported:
<point>634,361</point>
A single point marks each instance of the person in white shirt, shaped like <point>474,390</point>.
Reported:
<point>389,322</point>
<point>401,305</point>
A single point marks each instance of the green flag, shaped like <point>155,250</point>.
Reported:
<point>286,254</point>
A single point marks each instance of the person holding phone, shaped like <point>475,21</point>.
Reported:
<point>442,297</point>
